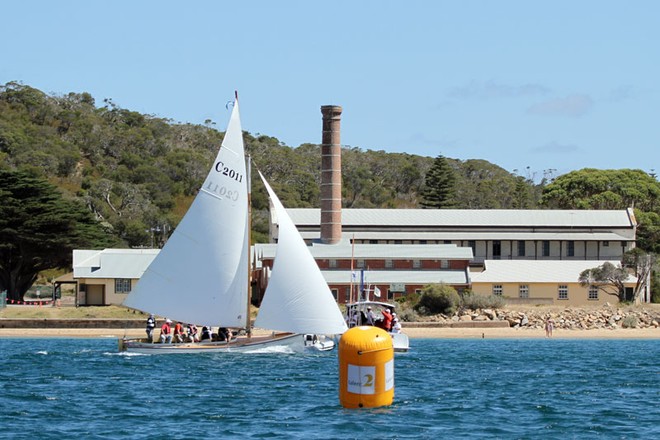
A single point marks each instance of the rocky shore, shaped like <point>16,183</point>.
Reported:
<point>608,321</point>
<point>606,317</point>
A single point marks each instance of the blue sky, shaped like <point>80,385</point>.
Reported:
<point>527,85</point>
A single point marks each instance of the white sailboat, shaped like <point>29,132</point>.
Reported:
<point>201,275</point>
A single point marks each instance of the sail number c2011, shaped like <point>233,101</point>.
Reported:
<point>222,190</point>
<point>226,171</point>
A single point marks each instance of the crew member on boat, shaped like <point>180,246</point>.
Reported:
<point>224,334</point>
<point>151,325</point>
<point>371,318</point>
<point>387,319</point>
<point>178,332</point>
<point>396,324</point>
<point>192,333</point>
<point>166,332</point>
<point>352,319</point>
<point>207,334</point>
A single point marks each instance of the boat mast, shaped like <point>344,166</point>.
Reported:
<point>350,293</point>
<point>248,170</point>
<point>248,323</point>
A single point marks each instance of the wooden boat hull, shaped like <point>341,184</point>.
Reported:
<point>290,341</point>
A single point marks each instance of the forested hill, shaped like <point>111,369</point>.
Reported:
<point>138,173</point>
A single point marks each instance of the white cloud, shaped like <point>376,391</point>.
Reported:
<point>572,106</point>
<point>421,139</point>
<point>622,93</point>
<point>493,90</point>
<point>557,148</point>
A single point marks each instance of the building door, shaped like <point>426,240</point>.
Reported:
<point>497,250</point>
<point>95,295</point>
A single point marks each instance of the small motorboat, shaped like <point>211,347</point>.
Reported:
<point>318,343</point>
<point>356,314</point>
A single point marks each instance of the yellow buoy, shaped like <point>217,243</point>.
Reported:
<point>366,368</point>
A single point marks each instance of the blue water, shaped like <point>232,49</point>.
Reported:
<point>526,389</point>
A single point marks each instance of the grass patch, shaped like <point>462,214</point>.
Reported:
<point>84,312</point>
<point>50,312</point>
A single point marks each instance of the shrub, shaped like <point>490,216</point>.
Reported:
<point>407,315</point>
<point>655,288</point>
<point>438,298</point>
<point>629,321</point>
<point>405,308</point>
<point>408,300</point>
<point>475,301</point>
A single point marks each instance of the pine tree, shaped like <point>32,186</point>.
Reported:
<point>440,186</point>
<point>39,229</point>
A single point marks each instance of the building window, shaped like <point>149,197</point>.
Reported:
<point>417,264</point>
<point>523,291</point>
<point>606,244</point>
<point>390,294</point>
<point>546,248</point>
<point>562,292</point>
<point>360,264</point>
<point>447,241</point>
<point>122,285</point>
<point>332,264</point>
<point>335,293</point>
<point>418,291</point>
<point>521,248</point>
<point>389,264</point>
<point>473,244</point>
<point>444,264</point>
<point>593,293</point>
<point>497,289</point>
<point>571,249</point>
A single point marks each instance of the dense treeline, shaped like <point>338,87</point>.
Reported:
<point>138,173</point>
<point>39,229</point>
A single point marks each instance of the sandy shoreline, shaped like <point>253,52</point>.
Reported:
<point>413,333</point>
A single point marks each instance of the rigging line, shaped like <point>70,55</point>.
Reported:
<point>206,191</point>
<point>224,147</point>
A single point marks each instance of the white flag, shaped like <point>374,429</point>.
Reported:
<point>376,291</point>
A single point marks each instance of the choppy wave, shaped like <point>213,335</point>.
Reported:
<point>61,388</point>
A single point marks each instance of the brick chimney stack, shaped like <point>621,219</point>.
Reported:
<point>331,175</point>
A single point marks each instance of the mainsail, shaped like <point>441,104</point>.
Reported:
<point>297,298</point>
<point>201,274</point>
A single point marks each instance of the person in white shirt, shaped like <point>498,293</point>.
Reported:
<point>371,318</point>
<point>396,325</point>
